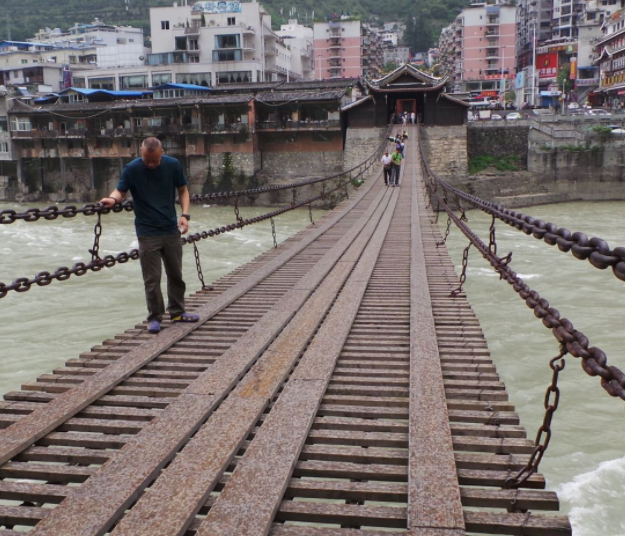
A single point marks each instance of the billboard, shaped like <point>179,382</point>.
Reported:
<point>547,65</point>
<point>220,6</point>
<point>520,80</point>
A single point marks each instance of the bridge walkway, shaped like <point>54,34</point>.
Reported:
<point>332,387</point>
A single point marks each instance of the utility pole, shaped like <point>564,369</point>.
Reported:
<point>534,65</point>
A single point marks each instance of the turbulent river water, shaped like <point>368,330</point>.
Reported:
<point>585,463</point>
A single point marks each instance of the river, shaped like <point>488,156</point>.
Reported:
<point>42,328</point>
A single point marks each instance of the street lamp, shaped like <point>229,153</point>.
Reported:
<point>503,83</point>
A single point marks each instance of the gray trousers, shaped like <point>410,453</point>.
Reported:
<point>154,252</point>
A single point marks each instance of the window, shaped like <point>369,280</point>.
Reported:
<point>107,82</point>
<point>24,61</point>
<point>234,77</point>
<point>4,147</point>
<point>232,21</point>
<point>161,78</point>
<point>103,143</point>
<point>21,124</point>
<point>138,81</point>
<point>78,82</point>
<point>138,121</point>
<point>3,125</point>
<point>73,59</point>
<point>227,55</point>
<point>228,41</point>
<point>197,79</point>
<point>155,121</point>
<point>121,41</point>
<point>76,98</point>
<point>164,25</point>
<point>194,59</point>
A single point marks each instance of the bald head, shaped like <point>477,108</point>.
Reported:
<point>151,152</point>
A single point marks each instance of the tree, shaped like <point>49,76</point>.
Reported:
<point>418,34</point>
<point>390,66</point>
<point>564,76</point>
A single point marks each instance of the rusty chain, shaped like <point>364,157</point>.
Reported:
<point>198,266</point>
<point>237,215</point>
<point>593,359</point>
<point>273,232</point>
<point>444,240</point>
<point>53,212</point>
<point>595,250</point>
<point>543,436</point>
<point>492,238</point>
<point>23,284</point>
<point>43,279</point>
<point>97,233</point>
<point>463,275</point>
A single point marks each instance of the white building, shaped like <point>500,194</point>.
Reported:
<point>299,39</point>
<point>115,46</point>
<point>232,41</point>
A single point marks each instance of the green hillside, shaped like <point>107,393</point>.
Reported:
<point>22,18</point>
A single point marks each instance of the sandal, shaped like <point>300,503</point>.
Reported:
<point>185,317</point>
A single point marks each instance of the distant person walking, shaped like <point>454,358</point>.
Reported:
<point>404,117</point>
<point>396,159</point>
<point>413,117</point>
<point>387,163</point>
<point>153,180</point>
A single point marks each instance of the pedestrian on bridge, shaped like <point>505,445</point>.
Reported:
<point>153,181</point>
<point>387,166</point>
<point>396,159</point>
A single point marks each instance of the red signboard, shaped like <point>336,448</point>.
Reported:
<point>573,74</point>
<point>547,65</point>
<point>488,94</point>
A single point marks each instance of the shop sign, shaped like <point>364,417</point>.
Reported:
<point>547,65</point>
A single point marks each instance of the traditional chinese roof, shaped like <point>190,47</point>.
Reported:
<point>357,103</point>
<point>299,96</point>
<point>406,78</point>
<point>234,100</point>
<point>453,99</point>
<point>321,84</point>
<point>247,87</point>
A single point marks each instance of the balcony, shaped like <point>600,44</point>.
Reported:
<point>192,30</point>
<point>271,51</point>
<point>248,29</point>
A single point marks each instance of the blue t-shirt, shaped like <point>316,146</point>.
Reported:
<point>154,195</point>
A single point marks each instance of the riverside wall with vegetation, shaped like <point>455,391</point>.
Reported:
<point>521,165</point>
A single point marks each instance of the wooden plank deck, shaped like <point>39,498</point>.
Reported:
<point>333,387</point>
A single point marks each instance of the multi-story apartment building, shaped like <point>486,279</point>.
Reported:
<point>115,46</point>
<point>397,55</point>
<point>211,44</point>
<point>233,41</point>
<point>346,48</point>
<point>478,50</point>
<point>611,59</point>
<point>299,39</point>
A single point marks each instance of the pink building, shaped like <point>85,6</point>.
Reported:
<point>344,49</point>
<point>480,49</point>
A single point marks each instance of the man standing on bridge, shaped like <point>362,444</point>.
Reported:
<point>387,165</point>
<point>396,159</point>
<point>153,181</point>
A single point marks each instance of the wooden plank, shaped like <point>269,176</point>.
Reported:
<point>523,524</point>
<point>250,500</point>
<point>101,500</point>
<point>434,503</point>
<point>28,430</point>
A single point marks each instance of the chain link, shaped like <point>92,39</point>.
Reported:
<point>543,436</point>
<point>273,233</point>
<point>198,265</point>
<point>444,240</point>
<point>237,215</point>
<point>492,239</point>
<point>53,212</point>
<point>97,232</point>
<point>463,275</point>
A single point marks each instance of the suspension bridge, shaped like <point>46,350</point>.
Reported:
<point>337,385</point>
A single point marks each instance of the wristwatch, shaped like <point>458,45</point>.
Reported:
<point>188,216</point>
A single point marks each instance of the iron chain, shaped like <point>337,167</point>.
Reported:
<point>273,233</point>
<point>543,436</point>
<point>97,232</point>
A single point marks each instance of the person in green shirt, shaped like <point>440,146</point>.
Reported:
<point>396,159</point>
